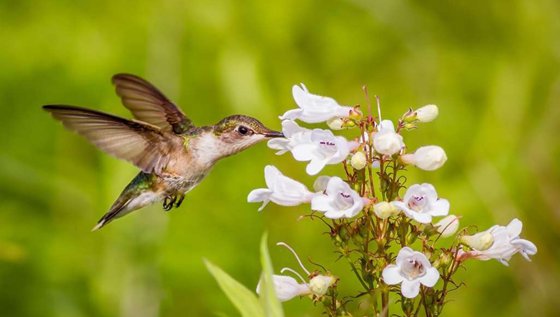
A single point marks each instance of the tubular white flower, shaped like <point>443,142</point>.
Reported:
<point>314,108</point>
<point>447,226</point>
<point>428,158</point>
<point>506,244</point>
<point>319,147</point>
<point>281,190</point>
<point>421,203</point>
<point>412,268</point>
<point>427,113</point>
<point>286,287</point>
<point>386,140</point>
<point>338,200</point>
<point>323,148</point>
<point>293,135</point>
<point>479,241</point>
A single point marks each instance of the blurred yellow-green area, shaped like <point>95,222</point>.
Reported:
<point>493,67</point>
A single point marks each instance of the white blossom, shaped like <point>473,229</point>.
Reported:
<point>428,158</point>
<point>287,287</point>
<point>293,135</point>
<point>506,243</point>
<point>447,226</point>
<point>421,203</point>
<point>314,108</point>
<point>338,199</point>
<point>427,113</point>
<point>321,149</point>
<point>412,268</point>
<point>281,190</point>
<point>386,140</point>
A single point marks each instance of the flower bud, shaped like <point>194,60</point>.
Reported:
<point>427,113</point>
<point>335,123</point>
<point>448,225</point>
<point>480,241</point>
<point>428,158</point>
<point>319,285</point>
<point>358,160</point>
<point>386,140</point>
<point>385,210</point>
<point>356,114</point>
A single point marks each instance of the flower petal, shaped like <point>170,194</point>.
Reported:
<point>315,166</point>
<point>320,203</point>
<point>440,207</point>
<point>391,275</point>
<point>410,289</point>
<point>430,278</point>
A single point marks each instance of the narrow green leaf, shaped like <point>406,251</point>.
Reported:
<point>242,298</point>
<point>270,302</point>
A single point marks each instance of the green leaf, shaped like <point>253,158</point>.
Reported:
<point>270,302</point>
<point>242,298</point>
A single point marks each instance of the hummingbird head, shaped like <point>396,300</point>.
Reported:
<point>238,132</point>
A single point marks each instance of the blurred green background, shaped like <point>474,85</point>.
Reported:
<point>492,67</point>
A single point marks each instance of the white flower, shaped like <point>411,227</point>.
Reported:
<point>281,190</point>
<point>506,243</point>
<point>385,210</point>
<point>421,203</point>
<point>319,285</point>
<point>386,140</point>
<point>358,160</point>
<point>313,108</point>
<point>293,135</point>
<point>428,158</point>
<point>411,270</point>
<point>338,199</point>
<point>323,148</point>
<point>447,226</point>
<point>427,113</point>
<point>286,287</point>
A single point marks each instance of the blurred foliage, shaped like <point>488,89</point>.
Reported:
<point>492,67</point>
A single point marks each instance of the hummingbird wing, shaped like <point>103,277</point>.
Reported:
<point>148,104</point>
<point>144,145</point>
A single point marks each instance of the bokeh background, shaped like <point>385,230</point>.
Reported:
<point>492,67</point>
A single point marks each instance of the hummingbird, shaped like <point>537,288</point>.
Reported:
<point>173,154</point>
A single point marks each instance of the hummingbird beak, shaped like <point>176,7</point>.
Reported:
<point>274,134</point>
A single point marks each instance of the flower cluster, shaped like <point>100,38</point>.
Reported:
<point>390,236</point>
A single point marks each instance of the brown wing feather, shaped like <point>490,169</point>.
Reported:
<point>148,104</point>
<point>144,145</point>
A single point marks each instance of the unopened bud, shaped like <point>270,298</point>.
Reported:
<point>448,225</point>
<point>427,113</point>
<point>335,123</point>
<point>319,285</point>
<point>356,114</point>
<point>358,160</point>
<point>428,158</point>
<point>385,210</point>
<point>480,241</point>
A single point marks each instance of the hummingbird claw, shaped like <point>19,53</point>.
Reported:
<point>168,202</point>
<point>179,201</point>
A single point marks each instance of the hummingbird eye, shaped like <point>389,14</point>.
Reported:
<point>243,130</point>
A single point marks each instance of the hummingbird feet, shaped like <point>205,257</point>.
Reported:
<point>173,201</point>
<point>180,200</point>
<point>169,202</point>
